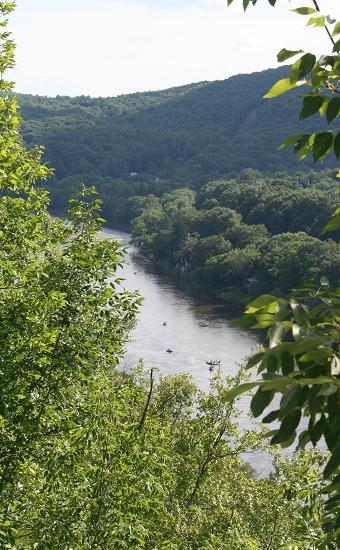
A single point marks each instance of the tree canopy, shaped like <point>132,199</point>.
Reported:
<point>155,142</point>
<point>92,457</point>
<point>238,237</point>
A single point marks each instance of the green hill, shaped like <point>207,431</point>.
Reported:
<point>154,141</point>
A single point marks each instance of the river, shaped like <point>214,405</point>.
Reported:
<point>192,344</point>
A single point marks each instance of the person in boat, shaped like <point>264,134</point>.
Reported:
<point>164,324</point>
<point>169,350</point>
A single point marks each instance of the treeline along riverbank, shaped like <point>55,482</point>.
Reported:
<point>181,166</point>
<point>239,237</point>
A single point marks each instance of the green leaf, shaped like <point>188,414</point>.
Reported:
<point>272,363</point>
<point>294,395</point>
<point>333,109</point>
<point>238,390</point>
<point>336,47</point>
<point>304,145</point>
<point>274,415</point>
<point>311,105</point>
<point>333,463</point>
<point>261,301</point>
<point>260,401</point>
<point>327,390</point>
<point>304,438</point>
<point>288,427</point>
<point>319,380</point>
<point>319,21</point>
<point>317,429</point>
<point>333,224</point>
<point>281,87</point>
<point>254,360</point>
<point>264,323</point>
<point>322,144</point>
<point>302,67</point>
<point>246,321</point>
<point>315,355</point>
<point>308,343</point>
<point>324,106</point>
<point>289,441</point>
<point>331,438</point>
<point>284,54</point>
<point>336,29</point>
<point>287,363</point>
<point>278,384</point>
<point>336,145</point>
<point>304,10</point>
<point>290,141</point>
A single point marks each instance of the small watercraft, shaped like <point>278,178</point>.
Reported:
<point>203,324</point>
<point>164,324</point>
<point>213,363</point>
<point>169,350</point>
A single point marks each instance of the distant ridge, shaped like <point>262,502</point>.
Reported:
<point>185,135</point>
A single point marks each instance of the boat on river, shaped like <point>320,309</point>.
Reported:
<point>213,363</point>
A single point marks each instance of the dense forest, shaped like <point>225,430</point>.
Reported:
<point>154,142</point>
<point>238,237</point>
<point>93,457</point>
<point>236,229</point>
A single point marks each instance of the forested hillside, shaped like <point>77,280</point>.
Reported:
<point>153,142</point>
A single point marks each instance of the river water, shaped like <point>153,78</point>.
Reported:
<point>192,344</point>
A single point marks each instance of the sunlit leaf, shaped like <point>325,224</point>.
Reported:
<point>281,87</point>
<point>319,21</point>
<point>284,54</point>
<point>304,10</point>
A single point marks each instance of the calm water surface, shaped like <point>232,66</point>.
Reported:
<point>192,345</point>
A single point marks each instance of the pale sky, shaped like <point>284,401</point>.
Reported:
<point>110,47</point>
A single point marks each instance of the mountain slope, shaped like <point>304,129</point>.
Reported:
<point>185,135</point>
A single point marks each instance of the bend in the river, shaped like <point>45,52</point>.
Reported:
<point>171,319</point>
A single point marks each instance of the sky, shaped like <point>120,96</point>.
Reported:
<point>110,47</point>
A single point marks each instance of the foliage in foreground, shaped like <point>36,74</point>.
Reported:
<point>91,458</point>
<point>302,361</point>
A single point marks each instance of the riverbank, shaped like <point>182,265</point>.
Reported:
<point>232,298</point>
